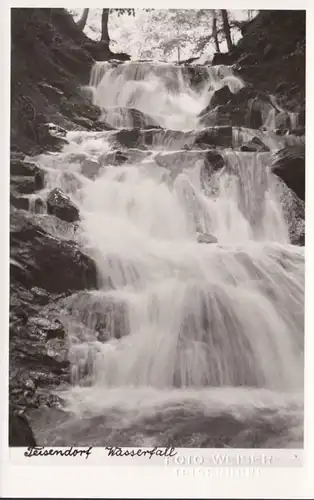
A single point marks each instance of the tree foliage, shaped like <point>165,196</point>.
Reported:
<point>172,34</point>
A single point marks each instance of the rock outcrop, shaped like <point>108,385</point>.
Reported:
<point>289,165</point>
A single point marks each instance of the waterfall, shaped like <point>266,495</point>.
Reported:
<point>178,327</point>
<point>141,86</point>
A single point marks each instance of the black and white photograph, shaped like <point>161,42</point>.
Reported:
<point>157,228</point>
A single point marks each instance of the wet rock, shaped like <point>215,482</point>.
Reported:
<point>86,123</point>
<point>302,116</point>
<point>128,138</point>
<point>176,161</point>
<point>246,94</point>
<point>20,431</point>
<point>51,136</point>
<point>289,164</point>
<point>206,238</point>
<point>54,226</point>
<point>269,52</point>
<point>39,179</point>
<point>215,160</point>
<point>100,125</point>
<point>255,146</point>
<point>103,335</point>
<point>40,295</point>
<point>221,96</point>
<point>282,87</point>
<point>90,168</point>
<point>121,56</point>
<point>197,75</point>
<point>115,158</point>
<point>281,131</point>
<point>128,117</point>
<point>215,136</point>
<point>51,328</point>
<point>19,167</point>
<point>60,205</point>
<point>171,139</point>
<point>222,58</point>
<point>20,202</point>
<point>294,212</point>
<point>221,115</point>
<point>299,131</point>
<point>55,130</point>
<point>255,119</point>
<point>39,259</point>
<point>283,120</point>
<point>36,365</point>
<point>22,184</point>
<point>52,93</point>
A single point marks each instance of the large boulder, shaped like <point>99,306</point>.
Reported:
<point>42,260</point>
<point>221,96</point>
<point>60,205</point>
<point>289,164</point>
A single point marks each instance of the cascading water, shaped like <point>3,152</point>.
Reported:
<point>163,92</point>
<point>179,333</point>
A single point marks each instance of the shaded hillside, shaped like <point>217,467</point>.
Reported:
<point>50,58</point>
<point>271,55</point>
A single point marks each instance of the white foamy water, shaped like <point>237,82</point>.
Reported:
<point>163,91</point>
<point>179,318</point>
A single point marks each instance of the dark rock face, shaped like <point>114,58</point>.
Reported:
<point>47,92</point>
<point>271,55</point>
<point>289,165</point>
<point>17,201</point>
<point>222,58</point>
<point>39,259</point>
<point>19,167</point>
<point>20,432</point>
<point>38,347</point>
<point>221,96</point>
<point>60,205</point>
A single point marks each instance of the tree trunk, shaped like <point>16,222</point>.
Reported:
<point>82,21</point>
<point>178,53</point>
<point>215,34</point>
<point>226,27</point>
<point>104,26</point>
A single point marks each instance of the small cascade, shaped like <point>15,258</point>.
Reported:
<point>199,309</point>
